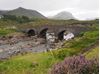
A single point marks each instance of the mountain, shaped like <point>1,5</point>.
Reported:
<point>63,16</point>
<point>3,12</point>
<point>23,12</point>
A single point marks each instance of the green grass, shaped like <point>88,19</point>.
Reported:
<point>77,45</point>
<point>4,32</point>
<point>94,53</point>
<point>86,40</point>
<point>39,22</point>
<point>24,64</point>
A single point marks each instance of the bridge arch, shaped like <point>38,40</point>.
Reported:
<point>42,33</point>
<point>31,32</point>
<point>61,34</point>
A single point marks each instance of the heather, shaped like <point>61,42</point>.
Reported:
<point>76,65</point>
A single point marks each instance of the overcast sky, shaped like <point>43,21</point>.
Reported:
<point>81,9</point>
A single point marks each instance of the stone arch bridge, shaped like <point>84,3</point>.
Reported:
<point>58,30</point>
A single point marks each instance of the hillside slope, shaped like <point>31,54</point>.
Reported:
<point>24,12</point>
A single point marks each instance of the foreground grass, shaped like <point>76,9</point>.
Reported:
<point>35,63</point>
<point>94,53</point>
<point>38,63</point>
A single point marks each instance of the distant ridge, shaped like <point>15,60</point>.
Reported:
<point>23,12</point>
<point>2,12</point>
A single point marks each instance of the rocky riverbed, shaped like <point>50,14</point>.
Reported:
<point>11,46</point>
<point>14,46</point>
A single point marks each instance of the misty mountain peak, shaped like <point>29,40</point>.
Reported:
<point>64,15</point>
<point>20,8</point>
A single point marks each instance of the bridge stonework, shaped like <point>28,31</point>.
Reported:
<point>42,29</point>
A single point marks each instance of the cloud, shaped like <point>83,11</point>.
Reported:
<point>49,5</point>
<point>88,4</point>
<point>78,13</point>
<point>79,8</point>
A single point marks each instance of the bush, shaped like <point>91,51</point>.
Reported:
<point>19,19</point>
<point>76,65</point>
<point>64,52</point>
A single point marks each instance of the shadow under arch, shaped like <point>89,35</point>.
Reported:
<point>42,33</point>
<point>31,32</point>
<point>61,34</point>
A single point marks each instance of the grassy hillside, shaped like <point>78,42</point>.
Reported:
<point>23,12</point>
<point>41,63</point>
<point>17,25</point>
